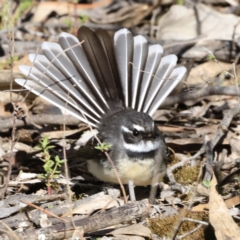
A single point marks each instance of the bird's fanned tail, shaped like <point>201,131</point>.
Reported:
<point>85,78</point>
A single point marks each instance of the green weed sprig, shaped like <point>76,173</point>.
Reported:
<point>50,166</point>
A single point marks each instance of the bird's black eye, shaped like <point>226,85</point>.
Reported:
<point>135,133</point>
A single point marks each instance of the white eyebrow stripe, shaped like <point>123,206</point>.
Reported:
<point>125,129</point>
<point>142,146</point>
<point>138,127</point>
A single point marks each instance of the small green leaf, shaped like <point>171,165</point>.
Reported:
<point>104,147</point>
<point>207,184</point>
<point>49,147</point>
<point>211,57</point>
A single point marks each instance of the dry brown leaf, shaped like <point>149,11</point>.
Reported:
<point>22,61</point>
<point>180,23</point>
<point>171,129</point>
<point>231,202</point>
<point>6,77</point>
<point>24,136</point>
<point>185,141</point>
<point>127,15</point>
<point>60,134</point>
<point>104,201</point>
<point>222,222</point>
<point>201,190</point>
<point>162,115</point>
<point>207,129</point>
<point>135,229</point>
<point>18,146</point>
<point>4,113</point>
<point>201,208</point>
<point>62,8</point>
<point>210,132</point>
<point>206,72</point>
<point>127,237</point>
<point>234,143</point>
<point>5,97</point>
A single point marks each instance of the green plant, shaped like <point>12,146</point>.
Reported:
<point>50,166</point>
<point>83,18</point>
<point>211,57</point>
<point>23,6</point>
<point>5,16</point>
<point>104,147</point>
<point>180,2</point>
<point>11,60</point>
<point>10,20</point>
<point>68,22</point>
<point>207,184</point>
<point>44,147</point>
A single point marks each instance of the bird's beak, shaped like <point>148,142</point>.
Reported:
<point>149,136</point>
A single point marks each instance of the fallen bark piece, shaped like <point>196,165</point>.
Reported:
<point>115,216</point>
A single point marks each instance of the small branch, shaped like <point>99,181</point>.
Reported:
<point>44,210</point>
<point>209,162</point>
<point>206,91</point>
<point>201,223</point>
<point>40,119</point>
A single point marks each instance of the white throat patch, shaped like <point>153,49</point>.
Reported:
<point>142,146</point>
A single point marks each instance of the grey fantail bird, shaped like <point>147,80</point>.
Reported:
<point>115,85</point>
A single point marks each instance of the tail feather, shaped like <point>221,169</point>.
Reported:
<point>57,56</point>
<point>74,51</point>
<point>56,90</point>
<point>53,99</point>
<point>173,80</point>
<point>107,44</point>
<point>123,44</point>
<point>139,59</point>
<point>98,61</point>
<point>165,68</point>
<point>58,79</point>
<point>153,59</point>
